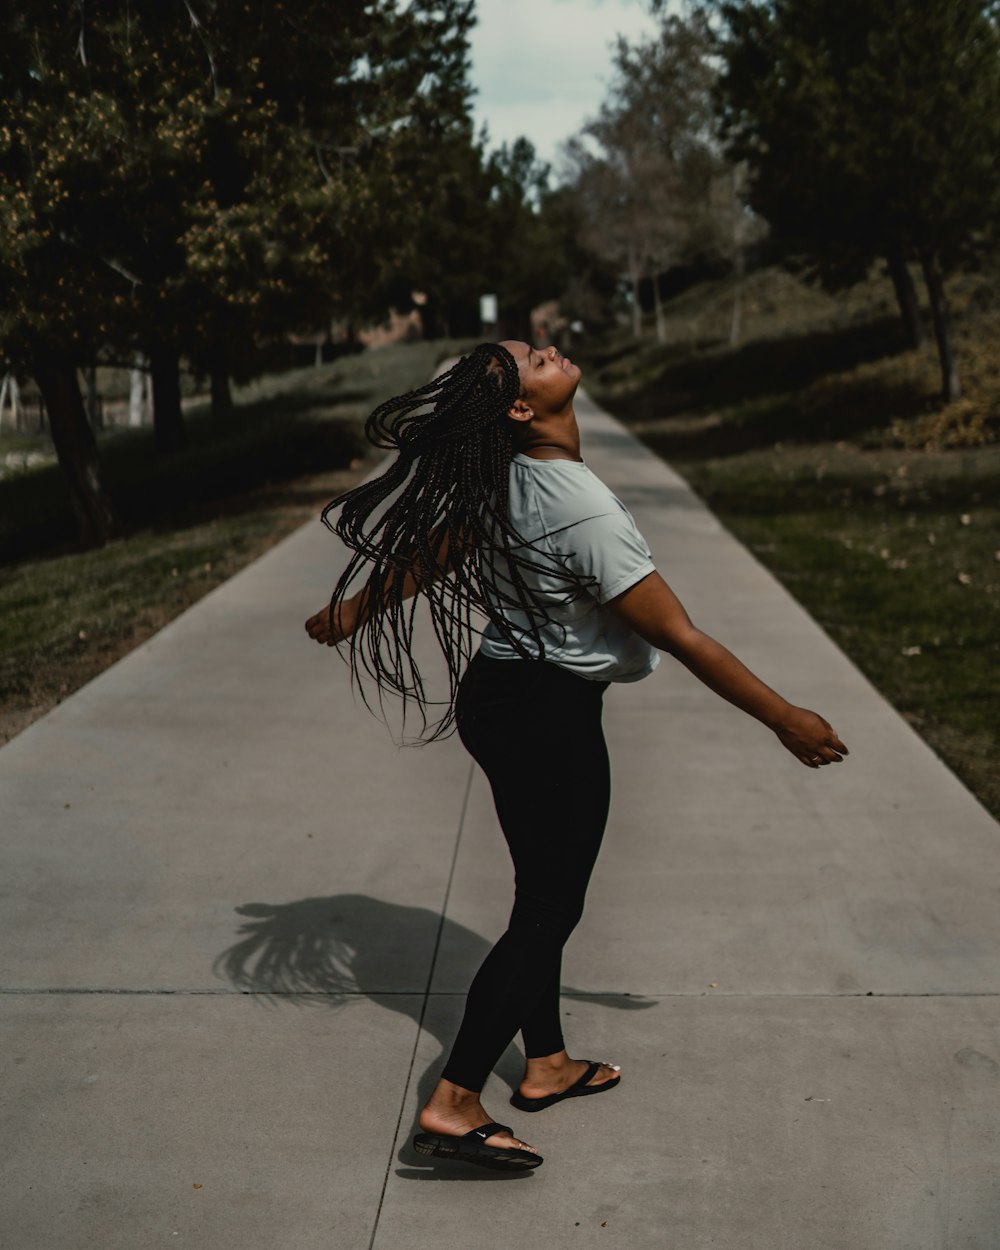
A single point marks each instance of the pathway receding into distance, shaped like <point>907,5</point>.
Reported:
<point>238,924</point>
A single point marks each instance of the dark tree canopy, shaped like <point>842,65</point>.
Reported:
<point>193,177</point>
<point>870,130</point>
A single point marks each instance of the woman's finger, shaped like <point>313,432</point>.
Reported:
<point>820,756</point>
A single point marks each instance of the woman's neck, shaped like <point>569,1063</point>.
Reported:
<point>555,440</point>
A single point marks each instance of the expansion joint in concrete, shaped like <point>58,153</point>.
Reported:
<point>591,996</point>
<point>423,1008</point>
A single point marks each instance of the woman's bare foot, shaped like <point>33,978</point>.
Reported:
<point>552,1074</point>
<point>454,1111</point>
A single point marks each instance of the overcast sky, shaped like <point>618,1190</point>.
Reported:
<point>542,66</point>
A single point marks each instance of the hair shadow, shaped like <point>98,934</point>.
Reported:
<point>331,951</point>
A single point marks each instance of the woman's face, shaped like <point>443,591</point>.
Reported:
<point>548,379</point>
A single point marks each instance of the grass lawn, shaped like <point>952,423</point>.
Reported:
<point>824,450</point>
<point>819,442</point>
<point>191,521</point>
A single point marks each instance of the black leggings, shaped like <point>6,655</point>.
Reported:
<point>535,730</point>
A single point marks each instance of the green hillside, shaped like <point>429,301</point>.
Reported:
<point>820,443</point>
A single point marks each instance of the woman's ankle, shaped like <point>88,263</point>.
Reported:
<point>548,1063</point>
<point>447,1096</point>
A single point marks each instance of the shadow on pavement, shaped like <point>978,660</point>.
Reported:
<point>331,951</point>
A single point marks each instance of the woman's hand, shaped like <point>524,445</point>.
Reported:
<point>810,738</point>
<point>655,613</point>
<point>319,628</point>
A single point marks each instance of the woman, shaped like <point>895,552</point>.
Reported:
<point>496,511</point>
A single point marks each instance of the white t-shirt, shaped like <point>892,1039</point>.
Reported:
<point>573,518</point>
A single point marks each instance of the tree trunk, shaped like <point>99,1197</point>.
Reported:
<point>736,321</point>
<point>430,320</point>
<point>222,396</point>
<point>138,386</point>
<point>94,414</point>
<point>9,387</point>
<point>906,297</point>
<point>634,277</point>
<point>739,254</point>
<point>16,407</point>
<point>76,447</point>
<point>168,423</point>
<point>930,261</point>
<point>661,323</point>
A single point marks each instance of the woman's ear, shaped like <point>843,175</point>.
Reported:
<point>521,411</point>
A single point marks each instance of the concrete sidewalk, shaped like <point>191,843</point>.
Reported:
<point>239,923</point>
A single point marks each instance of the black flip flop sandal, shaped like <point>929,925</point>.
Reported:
<point>471,1148</point>
<point>579,1089</point>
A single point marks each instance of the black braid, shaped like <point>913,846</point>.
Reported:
<point>455,447</point>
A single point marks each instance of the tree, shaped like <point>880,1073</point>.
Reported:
<point>869,130</point>
<point>627,191</point>
<point>658,191</point>
<point>488,223</point>
<point>48,291</point>
<point>185,179</point>
<point>529,259</point>
<point>574,274</point>
<point>441,250</point>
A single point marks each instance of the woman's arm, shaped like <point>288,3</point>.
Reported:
<point>352,613</point>
<point>654,612</point>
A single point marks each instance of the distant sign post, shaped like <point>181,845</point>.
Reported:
<point>488,310</point>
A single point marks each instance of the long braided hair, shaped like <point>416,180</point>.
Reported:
<point>449,525</point>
